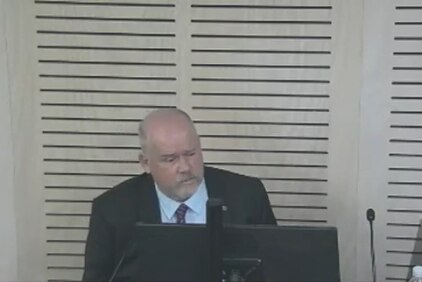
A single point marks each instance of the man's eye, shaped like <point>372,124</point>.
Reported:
<point>169,160</point>
<point>190,154</point>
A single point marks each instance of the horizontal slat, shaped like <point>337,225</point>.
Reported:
<point>405,176</point>
<point>405,147</point>
<point>140,27</point>
<point>117,11</point>
<point>66,247</point>
<point>268,172</point>
<point>407,133</point>
<point>67,208</point>
<point>408,76</point>
<point>73,194</point>
<point>407,105</point>
<point>63,260</point>
<point>89,140</point>
<point>128,56</point>
<point>270,14</point>
<point>89,126</point>
<point>90,168</point>
<point>305,215</point>
<point>67,234</point>
<point>408,15</point>
<point>51,42</point>
<point>295,186</point>
<point>270,44</point>
<point>259,87</point>
<point>406,90</point>
<point>260,73</point>
<point>250,4</point>
<point>105,76</point>
<point>280,144</point>
<point>84,180</point>
<point>401,244</point>
<point>404,26</point>
<point>63,274</point>
<point>288,103</point>
<point>144,72</point>
<point>262,130</point>
<point>112,3</point>
<point>104,98</point>
<point>408,46</point>
<point>104,111</point>
<point>311,201</point>
<point>67,221</point>
<point>246,28</point>
<point>406,161</point>
<point>261,59</point>
<point>403,217</point>
<point>292,222</point>
<point>106,83</point>
<point>401,259</point>
<point>91,154</point>
<point>406,120</point>
<point>404,231</point>
<point>409,190</point>
<point>400,273</point>
<point>405,61</point>
<point>274,115</point>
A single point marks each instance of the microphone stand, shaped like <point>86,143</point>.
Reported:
<point>215,246</point>
<point>370,216</point>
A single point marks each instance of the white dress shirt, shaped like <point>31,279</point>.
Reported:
<point>196,203</point>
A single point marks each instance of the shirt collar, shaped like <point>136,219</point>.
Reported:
<point>196,202</point>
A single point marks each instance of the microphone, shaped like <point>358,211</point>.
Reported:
<point>214,227</point>
<point>117,267</point>
<point>370,216</point>
<point>130,246</point>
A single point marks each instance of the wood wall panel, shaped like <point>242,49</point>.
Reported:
<point>404,166</point>
<point>257,78</point>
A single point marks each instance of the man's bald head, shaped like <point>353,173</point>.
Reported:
<point>162,117</point>
<point>171,152</point>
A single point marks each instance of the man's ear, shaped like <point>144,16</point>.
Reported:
<point>143,160</point>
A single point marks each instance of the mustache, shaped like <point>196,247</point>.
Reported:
<point>189,178</point>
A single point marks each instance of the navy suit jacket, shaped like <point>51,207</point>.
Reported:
<point>115,213</point>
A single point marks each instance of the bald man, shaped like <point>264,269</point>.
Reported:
<point>174,189</point>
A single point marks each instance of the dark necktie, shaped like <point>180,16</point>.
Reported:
<point>180,213</point>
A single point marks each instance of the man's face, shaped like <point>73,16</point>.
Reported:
<point>174,158</point>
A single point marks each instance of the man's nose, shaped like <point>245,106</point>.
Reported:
<point>183,164</point>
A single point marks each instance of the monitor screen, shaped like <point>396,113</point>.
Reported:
<point>169,252</point>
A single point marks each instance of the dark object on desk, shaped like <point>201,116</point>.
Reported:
<point>167,252</point>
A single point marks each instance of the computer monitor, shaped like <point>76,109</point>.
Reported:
<point>169,252</point>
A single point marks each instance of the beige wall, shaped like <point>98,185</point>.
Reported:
<point>48,189</point>
<point>8,259</point>
<point>23,237</point>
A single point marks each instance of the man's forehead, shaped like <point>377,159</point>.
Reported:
<point>168,125</point>
<point>165,116</point>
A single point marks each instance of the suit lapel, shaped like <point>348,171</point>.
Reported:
<point>149,209</point>
<point>216,189</point>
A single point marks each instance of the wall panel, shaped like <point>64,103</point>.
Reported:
<point>254,76</point>
<point>102,67</point>
<point>403,219</point>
